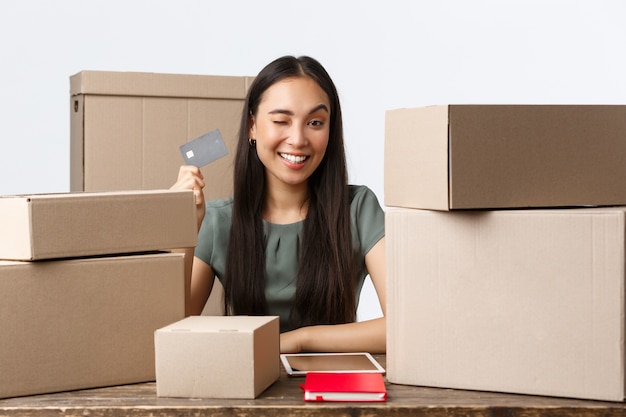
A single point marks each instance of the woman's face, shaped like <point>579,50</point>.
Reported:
<point>291,129</point>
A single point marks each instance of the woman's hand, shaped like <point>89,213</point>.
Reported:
<point>191,178</point>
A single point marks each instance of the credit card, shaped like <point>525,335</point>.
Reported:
<point>204,149</point>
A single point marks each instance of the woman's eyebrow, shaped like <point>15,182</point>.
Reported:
<point>290,113</point>
<point>319,107</point>
<point>281,111</point>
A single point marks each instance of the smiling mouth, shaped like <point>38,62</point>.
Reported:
<point>294,159</point>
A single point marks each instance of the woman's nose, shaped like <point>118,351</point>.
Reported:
<point>297,137</point>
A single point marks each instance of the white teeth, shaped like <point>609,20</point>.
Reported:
<point>293,158</point>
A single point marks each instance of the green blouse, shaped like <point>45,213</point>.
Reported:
<point>281,255</point>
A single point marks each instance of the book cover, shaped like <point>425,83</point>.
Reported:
<point>329,386</point>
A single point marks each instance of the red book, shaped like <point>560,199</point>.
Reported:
<point>333,386</point>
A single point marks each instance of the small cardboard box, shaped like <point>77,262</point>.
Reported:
<point>126,128</point>
<point>524,301</point>
<point>46,226</point>
<point>505,156</point>
<point>83,323</point>
<point>217,356</point>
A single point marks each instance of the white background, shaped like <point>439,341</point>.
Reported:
<point>381,54</point>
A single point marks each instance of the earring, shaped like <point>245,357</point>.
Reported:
<point>252,142</point>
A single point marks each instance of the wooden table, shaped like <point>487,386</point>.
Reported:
<point>284,398</point>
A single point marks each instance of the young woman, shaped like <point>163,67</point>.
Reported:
<point>295,240</point>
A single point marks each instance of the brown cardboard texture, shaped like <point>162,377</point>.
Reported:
<point>524,301</point>
<point>83,323</point>
<point>505,156</point>
<point>217,356</point>
<point>127,127</point>
<point>47,226</point>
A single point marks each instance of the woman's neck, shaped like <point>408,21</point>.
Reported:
<point>286,204</point>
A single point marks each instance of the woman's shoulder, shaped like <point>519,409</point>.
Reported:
<point>219,208</point>
<point>363,201</point>
<point>220,204</point>
<point>358,193</point>
<point>367,217</point>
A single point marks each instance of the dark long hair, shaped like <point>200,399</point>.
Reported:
<point>325,282</point>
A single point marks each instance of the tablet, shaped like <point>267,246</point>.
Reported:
<point>301,363</point>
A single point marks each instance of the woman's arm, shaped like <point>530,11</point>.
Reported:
<point>369,336</point>
<point>202,277</point>
<point>200,282</point>
<point>198,275</point>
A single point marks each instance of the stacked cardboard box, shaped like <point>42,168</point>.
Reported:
<point>84,283</point>
<point>127,127</point>
<point>217,357</point>
<point>500,278</point>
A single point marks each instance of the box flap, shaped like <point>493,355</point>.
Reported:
<point>148,84</point>
<point>212,324</point>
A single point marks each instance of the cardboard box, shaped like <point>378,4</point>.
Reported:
<point>83,323</point>
<point>217,357</point>
<point>47,226</point>
<point>505,156</point>
<point>525,301</point>
<point>126,128</point>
